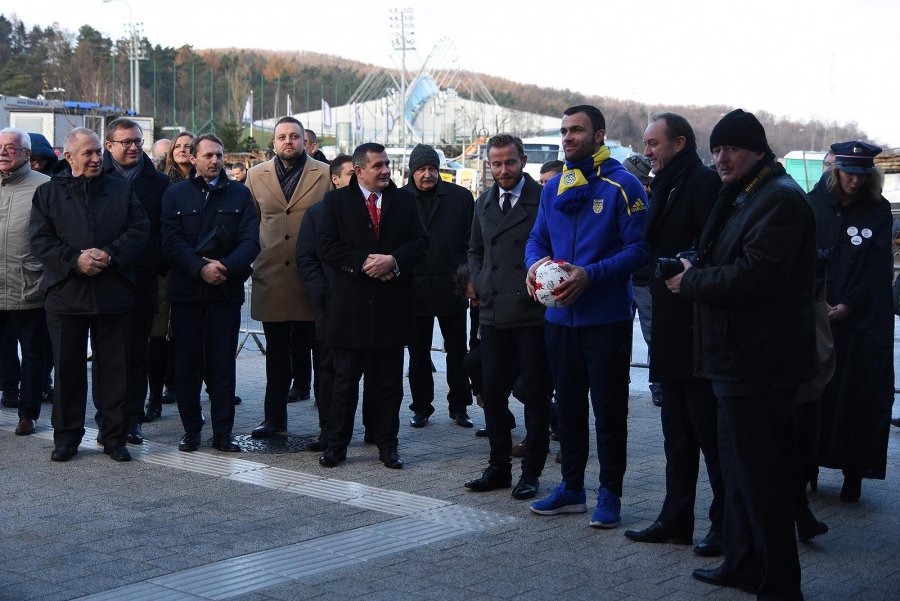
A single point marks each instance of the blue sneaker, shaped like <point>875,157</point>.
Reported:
<point>561,501</point>
<point>609,510</point>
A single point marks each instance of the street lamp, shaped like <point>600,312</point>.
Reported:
<point>403,39</point>
<point>135,54</point>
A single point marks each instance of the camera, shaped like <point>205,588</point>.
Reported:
<point>667,267</point>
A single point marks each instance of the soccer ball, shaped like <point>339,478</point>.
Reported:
<point>547,277</point>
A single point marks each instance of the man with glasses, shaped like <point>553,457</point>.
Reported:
<point>88,229</point>
<point>125,158</point>
<point>21,296</point>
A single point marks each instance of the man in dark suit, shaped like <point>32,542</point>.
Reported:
<point>211,237</point>
<point>447,212</point>
<point>512,324</point>
<point>682,195</point>
<point>125,158</point>
<point>372,236</point>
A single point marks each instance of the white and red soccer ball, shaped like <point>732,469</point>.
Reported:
<point>547,277</point>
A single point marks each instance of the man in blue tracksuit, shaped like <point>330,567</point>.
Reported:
<point>591,217</point>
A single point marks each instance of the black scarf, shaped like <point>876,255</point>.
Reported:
<point>129,173</point>
<point>288,177</point>
<point>764,170</point>
<point>663,182</point>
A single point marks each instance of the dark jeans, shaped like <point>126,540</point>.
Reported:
<point>10,368</point>
<point>386,365</point>
<point>111,344</point>
<point>689,417</point>
<point>499,348</point>
<point>421,381</point>
<point>30,331</point>
<point>757,466</point>
<point>591,360</point>
<point>280,336</point>
<point>206,331</point>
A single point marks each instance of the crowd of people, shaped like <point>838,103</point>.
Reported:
<point>768,312</point>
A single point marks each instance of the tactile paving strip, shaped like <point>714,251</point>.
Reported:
<point>423,521</point>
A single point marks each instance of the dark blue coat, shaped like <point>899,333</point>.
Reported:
<point>218,222</point>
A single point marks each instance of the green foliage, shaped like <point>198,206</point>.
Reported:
<point>230,133</point>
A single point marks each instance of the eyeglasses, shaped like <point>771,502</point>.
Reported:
<point>10,149</point>
<point>126,143</point>
<point>827,165</point>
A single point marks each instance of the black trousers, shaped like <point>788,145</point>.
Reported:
<point>280,336</point>
<point>206,332</point>
<point>141,323</point>
<point>689,418</point>
<point>421,381</point>
<point>386,394</point>
<point>499,348</point>
<point>302,353</point>
<point>160,365</point>
<point>111,343</point>
<point>595,361</point>
<point>324,386</point>
<point>31,332</point>
<point>757,465</point>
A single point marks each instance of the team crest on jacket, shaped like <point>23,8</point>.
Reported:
<point>569,178</point>
<point>598,205</point>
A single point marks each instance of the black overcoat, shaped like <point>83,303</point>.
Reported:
<point>364,312</point>
<point>855,242</point>
<point>682,195</point>
<point>449,225</point>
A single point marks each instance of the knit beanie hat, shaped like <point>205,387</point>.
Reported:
<point>639,166</point>
<point>741,129</point>
<point>423,155</point>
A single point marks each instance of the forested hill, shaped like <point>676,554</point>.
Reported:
<point>207,89</point>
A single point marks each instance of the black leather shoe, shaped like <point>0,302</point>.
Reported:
<point>135,435</point>
<point>168,397</point>
<point>462,419</point>
<point>519,449</point>
<point>153,410</point>
<point>368,438</point>
<point>710,546</point>
<point>718,577</point>
<point>418,420</point>
<point>267,428</point>
<point>526,488</point>
<point>482,433</point>
<point>298,393</point>
<point>391,459</point>
<point>117,453</point>
<point>491,478</point>
<point>896,422</point>
<point>225,443</point>
<point>64,452</point>
<point>808,527</point>
<point>316,446</point>
<point>237,400</point>
<point>332,457</point>
<point>99,436</point>
<point>189,442</point>
<point>47,395</point>
<point>657,533</point>
<point>25,427</point>
<point>10,398</point>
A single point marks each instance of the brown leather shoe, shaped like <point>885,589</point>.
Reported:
<point>518,450</point>
<point>25,427</point>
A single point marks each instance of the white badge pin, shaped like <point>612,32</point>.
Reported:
<point>852,231</point>
<point>867,233</point>
<point>856,240</point>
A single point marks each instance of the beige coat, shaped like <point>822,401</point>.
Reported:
<point>20,271</point>
<point>277,293</point>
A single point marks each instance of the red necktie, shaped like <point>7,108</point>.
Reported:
<point>372,205</point>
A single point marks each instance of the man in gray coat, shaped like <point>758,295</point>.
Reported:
<point>512,324</point>
<point>21,296</point>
